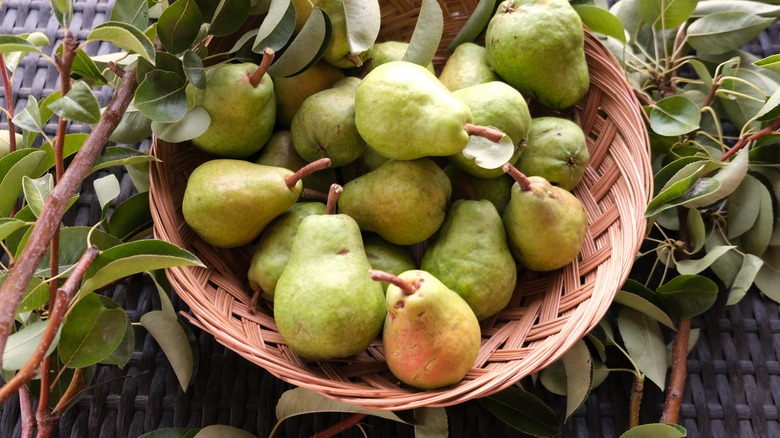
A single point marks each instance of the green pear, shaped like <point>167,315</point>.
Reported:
<point>302,11</point>
<point>537,46</point>
<point>498,105</point>
<point>292,91</point>
<point>470,256</point>
<point>556,150</point>
<point>338,52</point>
<point>229,202</point>
<point>365,163</point>
<point>402,201</point>
<point>431,337</point>
<point>387,51</point>
<point>5,144</point>
<point>272,251</point>
<point>386,256</point>
<point>545,225</point>
<point>279,151</point>
<point>465,186</point>
<point>324,126</point>
<point>404,112</point>
<point>326,306</point>
<point>467,66</point>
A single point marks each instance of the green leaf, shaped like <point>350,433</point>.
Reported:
<point>277,27</point>
<point>72,144</point>
<point>22,345</point>
<point>307,48</point>
<point>687,296</point>
<point>430,422</point>
<point>523,411</point>
<point>161,96</point>
<point>710,7</point>
<point>662,201</point>
<point>134,257</point>
<point>124,351</point>
<point>9,225</point>
<point>697,231</point>
<point>771,109</point>
<point>29,118</point>
<point>674,115</point>
<point>133,128</point>
<point>489,154</point>
<point>79,104</point>
<point>723,31</point>
<point>363,21</point>
<point>601,21</point>
<point>35,296</point>
<point>645,344</point>
<point>171,432</point>
<point>768,277</point>
<point>771,62</point>
<point>163,287</point>
<point>756,239</point>
<point>744,279</point>
<point>666,14</point>
<point>173,342</point>
<point>672,171</point>
<point>36,191</point>
<point>730,176</point>
<point>124,36</point>
<point>13,167</point>
<point>132,218</point>
<point>193,124</point>
<point>475,24</point>
<point>12,60</point>
<point>85,68</point>
<point>167,62</point>
<point>132,12</point>
<point>107,189</point>
<point>640,304</point>
<point>63,11</point>
<point>228,16</point>
<point>222,431</point>
<point>654,430</point>
<point>579,377</point>
<point>91,332</point>
<point>693,338</point>
<point>179,25</point>
<point>193,69</point>
<point>743,91</point>
<point>743,207</point>
<point>694,266</point>
<point>73,242</point>
<point>11,43</point>
<point>427,34</point>
<point>121,156</point>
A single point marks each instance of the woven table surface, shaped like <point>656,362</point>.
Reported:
<point>733,385</point>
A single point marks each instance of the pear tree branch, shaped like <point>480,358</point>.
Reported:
<point>9,103</point>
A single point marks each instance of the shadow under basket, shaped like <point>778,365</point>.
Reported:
<point>548,313</point>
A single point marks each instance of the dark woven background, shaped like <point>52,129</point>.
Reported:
<point>734,371</point>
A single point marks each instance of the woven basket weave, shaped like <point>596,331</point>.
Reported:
<point>548,312</point>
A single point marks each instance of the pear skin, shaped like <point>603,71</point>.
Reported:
<point>386,256</point>
<point>467,66</point>
<point>279,151</point>
<point>291,92</point>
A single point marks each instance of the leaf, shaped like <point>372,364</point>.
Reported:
<point>730,177</point>
<point>744,280</point>
<point>132,12</point>
<point>743,91</point>
<point>36,191</point>
<point>427,34</point>
<point>768,277</point>
<point>228,16</point>
<point>72,144</point>
<point>523,411</point>
<point>694,266</point>
<point>687,296</point>
<point>277,27</point>
<point>307,48</point>
<point>301,401</point>
<point>9,225</point>
<point>133,128</point>
<point>674,115</point>
<point>13,167</point>
<point>640,304</point>
<point>161,96</point>
<point>91,332</point>
<point>756,239</point>
<point>30,117</point>
<point>134,257</point>
<point>363,21</point>
<point>179,25</point>
<point>163,287</point>
<point>430,423</point>
<point>662,201</point>
<point>63,11</point>
<point>124,36</point>
<point>222,431</point>
<point>712,6</point>
<point>654,430</point>
<point>743,207</point>
<point>85,68</point>
<point>73,243</point>
<point>697,232</point>
<point>207,8</point>
<point>475,24</point>
<point>489,154</point>
<point>139,174</point>
<point>173,342</point>
<point>121,356</point>
<point>107,190</point>
<point>193,124</point>
<point>35,296</point>
<point>21,346</point>
<point>771,109</point>
<point>601,21</point>
<point>723,31</point>
<point>121,156</point>
<point>79,104</point>
<point>171,432</point>
<point>12,43</point>
<point>645,344</point>
<point>693,338</point>
<point>579,377</point>
<point>771,62</point>
<point>132,218</point>
<point>666,14</point>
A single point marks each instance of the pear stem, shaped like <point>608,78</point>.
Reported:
<point>406,287</point>
<point>305,171</point>
<point>333,198</point>
<point>355,59</point>
<point>262,69</point>
<point>492,134</point>
<point>519,177</point>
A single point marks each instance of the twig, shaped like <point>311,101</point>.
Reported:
<point>678,374</point>
<point>636,399</point>
<point>25,405</point>
<point>742,142</point>
<point>341,426</point>
<point>13,288</point>
<point>56,316</point>
<point>9,103</point>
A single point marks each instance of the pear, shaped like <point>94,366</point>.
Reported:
<point>387,51</point>
<point>279,151</point>
<point>292,91</point>
<point>404,113</point>
<point>272,251</point>
<point>545,225</point>
<point>5,142</point>
<point>431,337</point>
<point>324,126</point>
<point>386,256</point>
<point>552,69</point>
<point>325,304</point>
<point>470,256</point>
<point>467,66</point>
<point>302,12</point>
<point>338,52</point>
<point>556,150</point>
<point>465,186</point>
<point>229,202</point>
<point>241,102</point>
<point>365,163</point>
<point>402,201</point>
<point>498,105</point>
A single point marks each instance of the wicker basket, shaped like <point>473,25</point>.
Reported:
<point>548,313</point>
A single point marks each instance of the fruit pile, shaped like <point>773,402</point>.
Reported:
<point>333,175</point>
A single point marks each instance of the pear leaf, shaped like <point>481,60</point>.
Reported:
<point>427,34</point>
<point>730,177</point>
<point>132,218</point>
<point>579,376</point>
<point>636,302</point>
<point>601,21</point>
<point>277,27</point>
<point>756,239</point>
<point>193,124</point>
<point>307,48</point>
<point>22,345</point>
<point>720,32</point>
<point>771,62</point>
<point>768,277</point>
<point>86,68</point>
<point>712,6</point>
<point>475,24</point>
<point>179,25</point>
<point>133,12</point>
<point>688,295</point>
<point>173,342</point>
<point>744,279</point>
<point>79,104</point>
<point>666,14</point>
<point>222,431</point>
<point>694,266</point>
<point>121,156</point>
<point>9,225</point>
<point>91,332</point>
<point>36,191</point>
<point>771,109</point>
<point>12,43</point>
<point>29,118</point>
<point>193,69</point>
<point>14,166</point>
<point>645,344</point>
<point>161,96</point>
<point>363,22</point>
<point>523,411</point>
<point>674,115</point>
<point>228,16</point>
<point>488,154</point>
<point>124,36</point>
<point>107,190</point>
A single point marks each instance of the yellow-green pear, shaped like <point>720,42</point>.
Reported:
<point>556,150</point>
<point>467,66</point>
<point>292,91</point>
<point>5,143</point>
